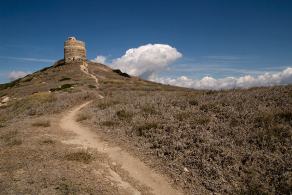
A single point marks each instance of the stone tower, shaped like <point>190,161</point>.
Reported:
<point>74,50</point>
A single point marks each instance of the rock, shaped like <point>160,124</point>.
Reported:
<point>5,99</point>
<point>186,170</point>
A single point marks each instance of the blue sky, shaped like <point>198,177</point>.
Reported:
<point>217,38</point>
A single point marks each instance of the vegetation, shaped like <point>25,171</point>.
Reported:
<point>9,85</point>
<point>65,79</point>
<point>119,72</point>
<point>42,123</point>
<point>81,156</point>
<point>236,135</point>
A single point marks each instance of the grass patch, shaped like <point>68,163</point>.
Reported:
<point>141,130</point>
<point>63,87</point>
<point>183,116</point>
<point>201,120</point>
<point>91,87</point>
<point>82,156</point>
<point>104,104</point>
<point>194,102</point>
<point>124,115</point>
<point>27,79</point>
<point>41,123</point>
<point>65,79</point>
<point>147,109</point>
<point>48,141</point>
<point>109,123</point>
<point>82,117</point>
<point>9,85</point>
<point>11,139</point>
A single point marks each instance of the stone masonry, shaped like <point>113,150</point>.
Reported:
<point>74,50</point>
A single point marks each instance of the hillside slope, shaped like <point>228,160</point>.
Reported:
<point>227,142</point>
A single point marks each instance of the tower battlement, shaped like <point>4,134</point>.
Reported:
<point>74,50</point>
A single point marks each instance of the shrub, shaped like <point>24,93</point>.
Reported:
<point>91,86</point>
<point>63,87</point>
<point>194,102</point>
<point>48,141</point>
<point>9,85</point>
<point>124,115</point>
<point>27,79</point>
<point>65,79</point>
<point>201,120</point>
<point>103,104</point>
<point>118,71</point>
<point>109,123</point>
<point>82,117</point>
<point>41,123</point>
<point>148,109</point>
<point>141,129</point>
<point>183,116</point>
<point>82,156</point>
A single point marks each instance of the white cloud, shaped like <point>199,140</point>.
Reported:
<point>266,79</point>
<point>100,59</point>
<point>16,75</point>
<point>146,60</point>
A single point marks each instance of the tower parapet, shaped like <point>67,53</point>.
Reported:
<point>74,50</point>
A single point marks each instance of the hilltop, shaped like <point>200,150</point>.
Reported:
<point>204,142</point>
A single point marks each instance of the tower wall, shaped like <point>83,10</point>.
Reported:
<point>74,50</point>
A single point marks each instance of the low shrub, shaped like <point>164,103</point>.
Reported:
<point>118,71</point>
<point>42,123</point>
<point>124,115</point>
<point>91,86</point>
<point>194,102</point>
<point>65,79</point>
<point>82,156</point>
<point>141,129</point>
<point>82,117</point>
<point>109,123</point>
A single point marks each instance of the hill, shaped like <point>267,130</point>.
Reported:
<point>226,142</point>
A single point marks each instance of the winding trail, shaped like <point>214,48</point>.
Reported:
<point>84,69</point>
<point>136,169</point>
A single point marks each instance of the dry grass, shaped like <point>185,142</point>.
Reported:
<point>41,123</point>
<point>81,156</point>
<point>223,138</point>
<point>82,117</point>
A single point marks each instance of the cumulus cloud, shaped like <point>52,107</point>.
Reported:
<point>100,59</point>
<point>267,79</point>
<point>146,60</point>
<point>16,75</point>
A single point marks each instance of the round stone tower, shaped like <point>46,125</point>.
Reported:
<point>74,50</point>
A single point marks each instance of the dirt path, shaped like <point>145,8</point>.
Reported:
<point>84,69</point>
<point>135,169</point>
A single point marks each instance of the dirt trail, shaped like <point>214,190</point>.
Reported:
<point>135,168</point>
<point>84,69</point>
